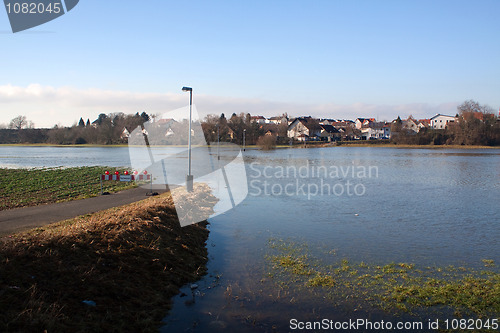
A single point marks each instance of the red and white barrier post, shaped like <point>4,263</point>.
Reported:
<point>126,177</point>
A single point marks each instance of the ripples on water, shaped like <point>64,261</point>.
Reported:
<point>427,207</point>
<point>38,157</point>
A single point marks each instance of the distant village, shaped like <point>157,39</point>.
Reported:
<point>311,129</point>
<point>474,124</point>
<point>465,128</point>
<point>307,128</point>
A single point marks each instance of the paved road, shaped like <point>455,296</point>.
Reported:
<point>18,219</point>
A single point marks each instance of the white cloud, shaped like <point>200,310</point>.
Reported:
<point>47,105</point>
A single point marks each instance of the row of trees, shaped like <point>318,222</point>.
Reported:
<point>106,129</point>
<point>476,125</point>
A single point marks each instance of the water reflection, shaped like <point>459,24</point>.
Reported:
<point>425,207</point>
<point>46,157</point>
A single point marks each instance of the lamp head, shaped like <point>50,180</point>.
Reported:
<point>187,89</point>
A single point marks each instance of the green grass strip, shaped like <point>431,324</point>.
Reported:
<point>31,187</point>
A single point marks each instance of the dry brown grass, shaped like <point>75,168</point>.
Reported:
<point>129,260</point>
<point>388,144</point>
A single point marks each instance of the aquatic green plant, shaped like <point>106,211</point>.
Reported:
<point>393,287</point>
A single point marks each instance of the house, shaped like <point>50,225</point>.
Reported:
<point>376,130</point>
<point>368,133</point>
<point>166,124</point>
<point>410,125</point>
<point>125,134</point>
<point>271,132</point>
<point>169,132</point>
<point>231,133</point>
<point>441,121</point>
<point>423,123</point>
<point>479,116</point>
<point>482,117</point>
<point>347,129</point>
<point>304,129</point>
<point>309,129</point>
<point>258,119</point>
<point>387,131</point>
<point>338,124</point>
<point>166,121</point>
<point>329,133</point>
<point>363,122</point>
<point>278,120</point>
<point>326,121</point>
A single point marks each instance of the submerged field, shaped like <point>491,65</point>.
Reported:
<point>113,271</point>
<point>395,288</point>
<point>31,187</point>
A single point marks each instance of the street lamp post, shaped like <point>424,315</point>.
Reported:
<point>244,135</point>
<point>218,140</point>
<point>189,177</point>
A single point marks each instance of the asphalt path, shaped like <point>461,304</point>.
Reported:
<point>19,219</point>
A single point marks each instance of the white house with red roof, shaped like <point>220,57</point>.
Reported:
<point>363,122</point>
<point>258,119</point>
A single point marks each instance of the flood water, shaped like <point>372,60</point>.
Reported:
<point>429,207</point>
<point>47,157</point>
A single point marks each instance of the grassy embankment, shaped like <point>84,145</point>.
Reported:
<point>383,144</point>
<point>311,144</point>
<point>394,287</point>
<point>31,187</point>
<point>377,144</point>
<point>55,145</point>
<point>129,260</point>
<point>387,144</point>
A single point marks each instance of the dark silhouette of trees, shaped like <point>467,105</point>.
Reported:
<point>100,119</point>
<point>210,127</point>
<point>240,125</point>
<point>145,117</point>
<point>106,129</point>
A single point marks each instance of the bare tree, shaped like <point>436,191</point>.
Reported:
<point>20,122</point>
<point>470,106</point>
<point>476,125</point>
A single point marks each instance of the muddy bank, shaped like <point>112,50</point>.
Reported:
<point>112,271</point>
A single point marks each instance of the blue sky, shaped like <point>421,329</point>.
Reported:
<point>339,59</point>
